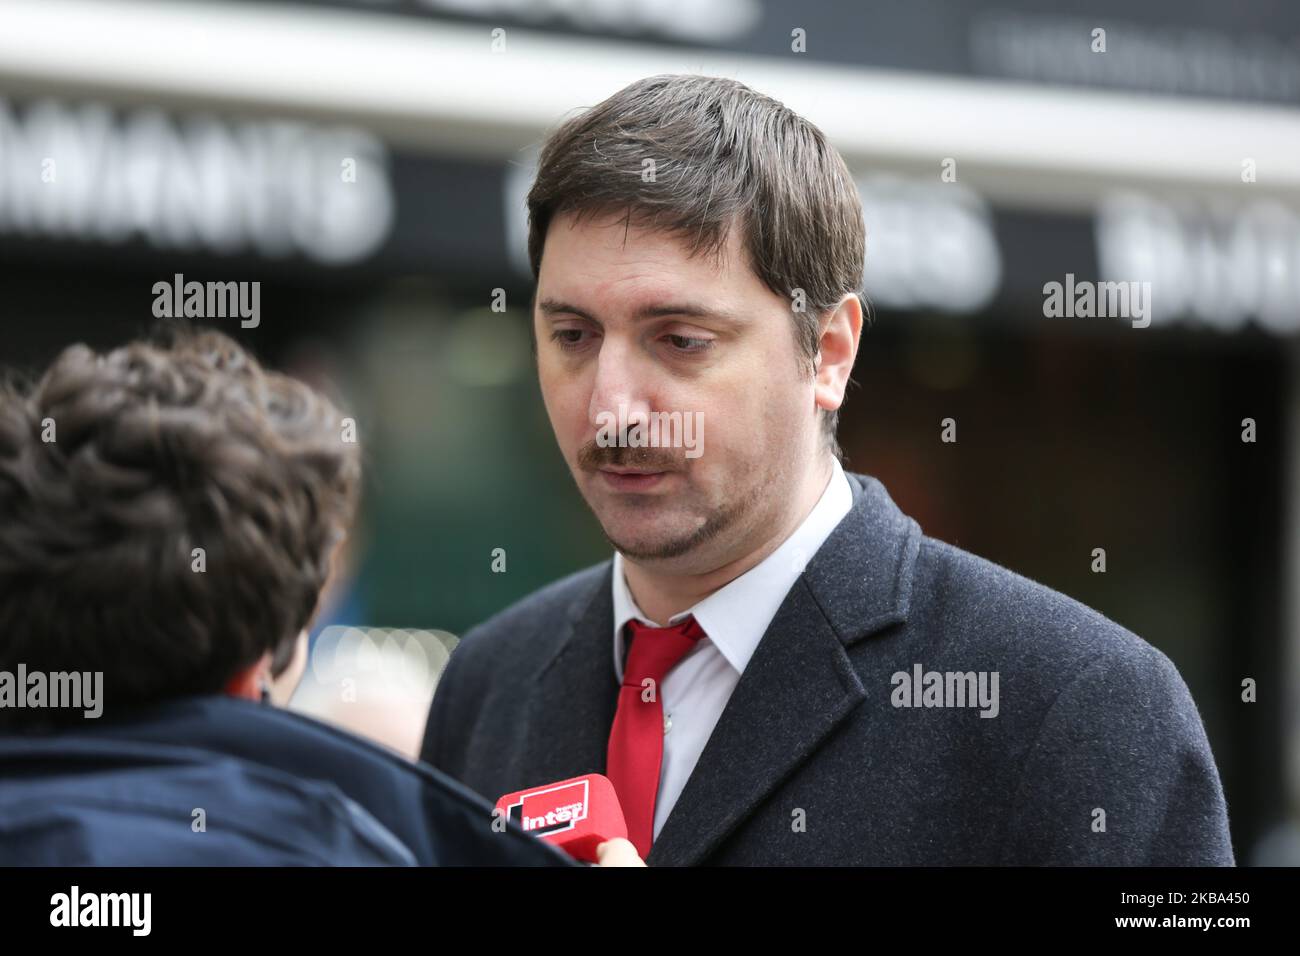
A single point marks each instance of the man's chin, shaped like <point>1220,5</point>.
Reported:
<point>636,543</point>
<point>645,552</point>
<point>655,528</point>
<point>682,537</point>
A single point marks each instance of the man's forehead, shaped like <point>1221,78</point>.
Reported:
<point>642,269</point>
<point>644,307</point>
<point>626,235</point>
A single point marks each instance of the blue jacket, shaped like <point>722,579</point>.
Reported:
<point>216,781</point>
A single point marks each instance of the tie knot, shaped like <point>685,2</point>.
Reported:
<point>656,650</point>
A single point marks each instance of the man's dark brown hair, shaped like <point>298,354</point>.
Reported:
<point>160,448</point>
<point>723,156</point>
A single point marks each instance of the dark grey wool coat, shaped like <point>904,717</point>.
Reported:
<point>1096,755</point>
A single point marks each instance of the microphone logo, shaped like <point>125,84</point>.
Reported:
<point>553,809</point>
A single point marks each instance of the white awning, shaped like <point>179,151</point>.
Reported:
<point>439,86</point>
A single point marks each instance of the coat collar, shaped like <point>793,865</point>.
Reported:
<point>798,687</point>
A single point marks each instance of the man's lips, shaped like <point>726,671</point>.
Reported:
<point>631,479</point>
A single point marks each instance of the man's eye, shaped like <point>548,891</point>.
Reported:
<point>686,343</point>
<point>568,338</point>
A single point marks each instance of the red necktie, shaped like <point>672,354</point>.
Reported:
<point>636,740</point>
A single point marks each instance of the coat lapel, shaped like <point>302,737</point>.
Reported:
<point>573,702</point>
<point>800,684</point>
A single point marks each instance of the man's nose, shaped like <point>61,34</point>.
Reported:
<point>621,388</point>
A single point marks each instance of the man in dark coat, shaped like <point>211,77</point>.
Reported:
<point>777,666</point>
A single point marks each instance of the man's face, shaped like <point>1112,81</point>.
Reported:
<point>625,317</point>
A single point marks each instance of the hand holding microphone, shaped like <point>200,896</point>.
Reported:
<point>618,852</point>
<point>580,815</point>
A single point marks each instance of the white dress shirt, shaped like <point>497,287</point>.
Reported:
<point>734,618</point>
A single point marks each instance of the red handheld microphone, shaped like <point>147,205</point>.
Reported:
<point>576,815</point>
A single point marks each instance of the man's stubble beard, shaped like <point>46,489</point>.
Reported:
<point>728,526</point>
<point>718,521</point>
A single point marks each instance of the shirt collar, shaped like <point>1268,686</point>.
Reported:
<point>736,617</point>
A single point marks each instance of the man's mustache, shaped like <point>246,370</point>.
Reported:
<point>593,456</point>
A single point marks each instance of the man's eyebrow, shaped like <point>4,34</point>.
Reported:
<point>551,306</point>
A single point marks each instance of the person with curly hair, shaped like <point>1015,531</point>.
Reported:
<point>168,515</point>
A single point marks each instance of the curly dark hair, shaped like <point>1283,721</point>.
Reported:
<point>159,448</point>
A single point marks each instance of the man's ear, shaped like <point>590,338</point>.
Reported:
<point>837,350</point>
<point>249,682</point>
